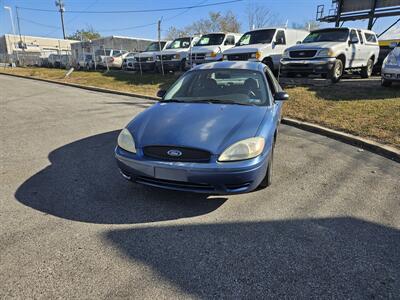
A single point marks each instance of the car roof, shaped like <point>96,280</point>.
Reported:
<point>242,65</point>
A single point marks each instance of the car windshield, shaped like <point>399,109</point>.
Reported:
<point>335,35</point>
<point>225,86</point>
<point>154,47</point>
<point>211,39</point>
<point>257,37</point>
<point>103,52</point>
<point>179,43</point>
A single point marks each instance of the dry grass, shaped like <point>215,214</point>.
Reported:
<point>361,107</point>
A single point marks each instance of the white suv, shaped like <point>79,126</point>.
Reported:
<point>266,45</point>
<point>210,46</point>
<point>331,51</point>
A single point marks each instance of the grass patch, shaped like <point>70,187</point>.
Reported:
<point>362,107</point>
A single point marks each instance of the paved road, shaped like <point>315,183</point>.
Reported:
<point>71,227</point>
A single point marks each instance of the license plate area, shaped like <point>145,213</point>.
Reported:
<point>170,174</point>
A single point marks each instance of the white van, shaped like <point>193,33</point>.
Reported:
<point>175,54</point>
<point>266,45</point>
<point>210,47</point>
<point>146,60</point>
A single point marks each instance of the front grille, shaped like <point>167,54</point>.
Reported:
<point>303,53</point>
<point>242,56</point>
<point>198,56</point>
<point>142,59</point>
<point>187,154</point>
<point>174,184</point>
<point>167,57</point>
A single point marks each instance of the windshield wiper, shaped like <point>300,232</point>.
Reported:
<point>172,100</point>
<point>217,101</point>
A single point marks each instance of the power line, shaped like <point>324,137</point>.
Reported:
<point>133,11</point>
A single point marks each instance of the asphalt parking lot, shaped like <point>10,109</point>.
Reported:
<point>71,227</point>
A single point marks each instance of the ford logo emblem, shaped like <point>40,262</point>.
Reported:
<point>174,153</point>
<point>302,53</point>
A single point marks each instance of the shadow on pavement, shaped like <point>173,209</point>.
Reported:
<point>310,258</point>
<point>83,184</point>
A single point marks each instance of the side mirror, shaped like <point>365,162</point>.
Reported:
<point>161,93</point>
<point>281,96</point>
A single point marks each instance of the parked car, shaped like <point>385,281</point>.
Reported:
<point>146,60</point>
<point>210,47</point>
<point>391,66</point>
<point>128,63</point>
<point>213,132</point>
<point>330,52</point>
<point>384,50</point>
<point>266,45</point>
<point>115,61</point>
<point>85,61</point>
<point>59,61</point>
<point>175,54</point>
<point>105,58</point>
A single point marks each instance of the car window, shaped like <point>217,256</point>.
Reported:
<point>179,43</point>
<point>230,40</point>
<point>327,35</point>
<point>211,39</point>
<point>354,36</point>
<point>280,38</point>
<point>360,36</point>
<point>154,46</point>
<point>370,37</point>
<point>220,85</point>
<point>272,82</point>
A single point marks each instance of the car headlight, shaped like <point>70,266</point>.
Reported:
<point>150,59</point>
<point>326,53</point>
<point>256,55</point>
<point>176,56</point>
<point>225,57</point>
<point>158,57</point>
<point>212,54</point>
<point>391,60</point>
<point>245,149</point>
<point>125,141</point>
<point>285,54</point>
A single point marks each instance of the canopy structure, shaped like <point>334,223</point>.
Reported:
<point>351,10</point>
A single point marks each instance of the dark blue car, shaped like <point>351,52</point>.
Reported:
<point>213,132</point>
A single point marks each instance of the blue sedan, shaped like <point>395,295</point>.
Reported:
<point>213,131</point>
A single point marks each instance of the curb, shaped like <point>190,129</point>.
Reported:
<point>383,150</point>
<point>85,87</point>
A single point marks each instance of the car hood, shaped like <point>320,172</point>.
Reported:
<point>211,127</point>
<point>174,51</point>
<point>205,49</point>
<point>147,54</point>
<point>315,46</point>
<point>245,49</point>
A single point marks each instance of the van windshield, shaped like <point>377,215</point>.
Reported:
<point>105,52</point>
<point>179,43</point>
<point>326,35</point>
<point>257,37</point>
<point>211,39</point>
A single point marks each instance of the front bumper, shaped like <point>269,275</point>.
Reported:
<point>309,66</point>
<point>391,73</point>
<point>209,178</point>
<point>170,65</point>
<point>145,66</point>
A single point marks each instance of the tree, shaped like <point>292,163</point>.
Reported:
<point>84,35</point>
<point>260,16</point>
<point>307,25</point>
<point>215,22</point>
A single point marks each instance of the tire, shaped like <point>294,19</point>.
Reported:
<point>78,67</point>
<point>385,83</point>
<point>183,65</point>
<point>366,72</point>
<point>267,181</point>
<point>336,73</point>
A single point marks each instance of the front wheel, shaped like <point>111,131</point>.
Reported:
<point>336,72</point>
<point>267,181</point>
<point>366,71</point>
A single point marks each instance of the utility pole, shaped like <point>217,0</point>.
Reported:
<point>61,9</point>
<point>21,44</point>
<point>159,44</point>
<point>13,29</point>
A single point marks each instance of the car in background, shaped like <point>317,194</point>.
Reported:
<point>59,61</point>
<point>115,61</point>
<point>146,60</point>
<point>210,47</point>
<point>174,56</point>
<point>128,63</point>
<point>213,131</point>
<point>104,58</point>
<point>85,62</point>
<point>391,66</point>
<point>332,51</point>
<point>266,45</point>
<point>385,49</point>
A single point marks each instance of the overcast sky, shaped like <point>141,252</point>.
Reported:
<point>48,23</point>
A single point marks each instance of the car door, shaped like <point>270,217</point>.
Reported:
<point>363,49</point>
<point>353,53</point>
<point>278,47</point>
<point>274,87</point>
